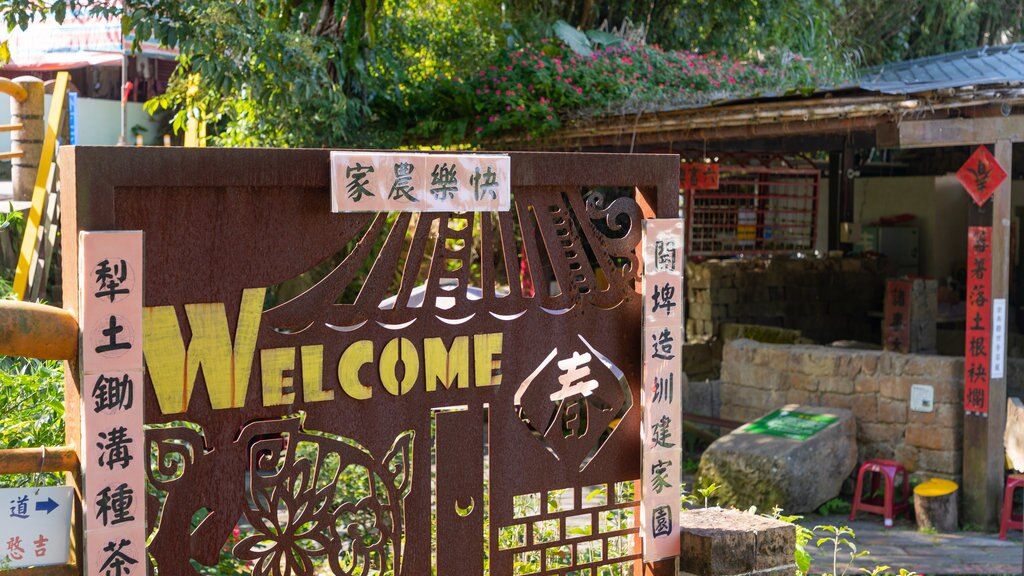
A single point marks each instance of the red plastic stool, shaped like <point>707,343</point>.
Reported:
<point>886,506</point>
<point>1011,521</point>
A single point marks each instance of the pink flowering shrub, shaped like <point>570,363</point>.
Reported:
<point>533,90</point>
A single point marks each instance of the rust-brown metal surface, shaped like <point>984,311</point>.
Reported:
<point>343,456</point>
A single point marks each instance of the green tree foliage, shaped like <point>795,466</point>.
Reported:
<point>366,73</point>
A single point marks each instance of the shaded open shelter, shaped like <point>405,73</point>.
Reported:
<point>863,173</point>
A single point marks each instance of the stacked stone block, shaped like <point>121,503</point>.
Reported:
<point>826,299</point>
<point>758,378</point>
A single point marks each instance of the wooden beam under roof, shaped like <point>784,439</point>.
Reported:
<point>950,132</point>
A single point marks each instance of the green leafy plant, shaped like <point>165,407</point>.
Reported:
<point>801,556</point>
<point>31,411</point>
<point>707,491</point>
<point>834,506</point>
<point>842,540</point>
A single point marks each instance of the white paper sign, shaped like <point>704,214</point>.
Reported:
<point>396,182</point>
<point>36,526</point>
<point>661,395</point>
<point>998,337</point>
<point>113,443</point>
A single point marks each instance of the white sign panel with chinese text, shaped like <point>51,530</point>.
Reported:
<point>114,488</point>
<point>396,182</point>
<point>661,396</point>
<point>998,338</point>
<point>36,527</point>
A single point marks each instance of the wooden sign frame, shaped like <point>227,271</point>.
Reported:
<point>280,393</point>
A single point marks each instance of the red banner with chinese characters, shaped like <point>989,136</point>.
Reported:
<point>978,344</point>
<point>699,176</point>
<point>897,316</point>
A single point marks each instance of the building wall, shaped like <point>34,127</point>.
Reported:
<point>826,299</point>
<point>99,121</point>
<point>759,378</point>
<point>940,205</point>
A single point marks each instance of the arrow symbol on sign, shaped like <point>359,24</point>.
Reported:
<point>48,505</point>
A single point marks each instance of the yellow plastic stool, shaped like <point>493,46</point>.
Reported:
<point>935,487</point>
<point>935,504</point>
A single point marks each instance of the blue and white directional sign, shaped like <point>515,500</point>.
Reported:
<point>35,526</point>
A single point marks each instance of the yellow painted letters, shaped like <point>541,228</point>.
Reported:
<point>444,364</point>
<point>399,350</point>
<point>274,362</point>
<point>352,359</point>
<point>226,366</point>
<point>313,375</point>
<point>486,359</point>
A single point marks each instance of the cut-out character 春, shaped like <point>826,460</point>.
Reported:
<point>572,395</point>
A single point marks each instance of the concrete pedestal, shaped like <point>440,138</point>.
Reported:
<point>720,542</point>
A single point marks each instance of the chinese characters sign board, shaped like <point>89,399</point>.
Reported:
<point>978,343</point>
<point>699,176</point>
<point>897,316</point>
<point>662,391</point>
<point>385,182</point>
<point>998,368</point>
<point>114,491</point>
<point>981,175</point>
<point>36,526</point>
<point>790,424</point>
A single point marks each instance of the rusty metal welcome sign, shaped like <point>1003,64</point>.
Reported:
<point>375,392</point>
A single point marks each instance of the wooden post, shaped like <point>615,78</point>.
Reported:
<point>983,435</point>
<point>28,140</point>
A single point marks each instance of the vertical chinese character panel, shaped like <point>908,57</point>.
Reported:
<point>661,431</point>
<point>897,316</point>
<point>977,340</point>
<point>113,493</point>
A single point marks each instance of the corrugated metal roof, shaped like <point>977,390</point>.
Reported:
<point>977,67</point>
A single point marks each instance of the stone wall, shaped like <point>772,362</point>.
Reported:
<point>758,378</point>
<point>826,299</point>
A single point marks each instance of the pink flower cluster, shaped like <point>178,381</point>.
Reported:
<point>533,88</point>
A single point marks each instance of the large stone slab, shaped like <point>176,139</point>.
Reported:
<point>1014,434</point>
<point>768,471</point>
<point>718,542</point>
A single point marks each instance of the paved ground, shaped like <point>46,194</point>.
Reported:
<point>904,547</point>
